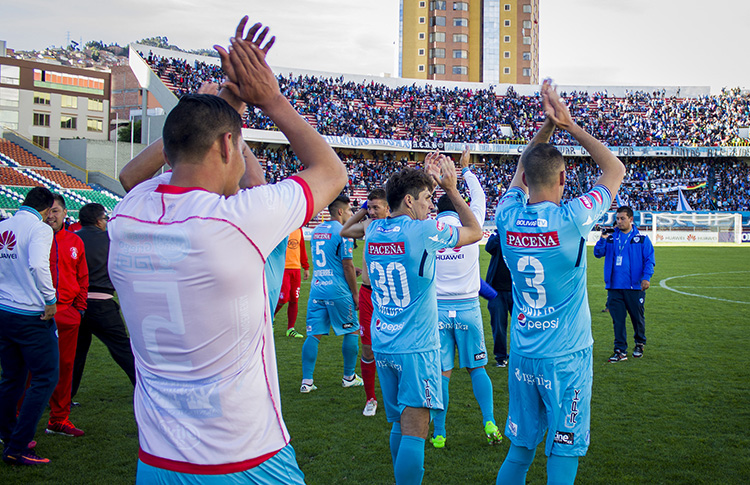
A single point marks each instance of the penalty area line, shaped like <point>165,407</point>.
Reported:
<point>663,284</point>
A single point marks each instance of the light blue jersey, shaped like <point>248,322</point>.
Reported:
<point>329,250</point>
<point>544,246</point>
<point>401,264</point>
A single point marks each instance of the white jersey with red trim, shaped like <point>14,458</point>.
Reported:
<point>188,266</point>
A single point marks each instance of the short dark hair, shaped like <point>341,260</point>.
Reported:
<point>194,125</point>
<point>59,198</point>
<point>444,204</point>
<point>339,201</point>
<point>541,164</point>
<point>90,214</point>
<point>39,199</point>
<point>376,194</point>
<point>626,209</point>
<point>408,181</point>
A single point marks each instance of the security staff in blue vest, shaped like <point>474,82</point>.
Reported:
<point>628,267</point>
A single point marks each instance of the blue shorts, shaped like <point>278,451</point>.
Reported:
<point>553,396</point>
<point>339,314</point>
<point>280,468</point>
<point>409,380</point>
<point>460,325</point>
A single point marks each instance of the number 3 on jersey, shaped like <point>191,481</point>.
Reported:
<point>387,284</point>
<point>534,283</point>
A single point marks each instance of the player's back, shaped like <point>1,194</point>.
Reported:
<point>544,246</point>
<point>329,250</point>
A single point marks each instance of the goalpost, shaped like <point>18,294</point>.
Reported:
<point>720,227</point>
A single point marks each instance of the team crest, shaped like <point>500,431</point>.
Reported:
<point>74,253</point>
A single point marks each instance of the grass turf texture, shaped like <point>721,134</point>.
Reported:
<point>678,415</point>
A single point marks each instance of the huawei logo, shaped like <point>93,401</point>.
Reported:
<point>7,241</point>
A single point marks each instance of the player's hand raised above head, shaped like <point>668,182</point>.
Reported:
<point>555,108</point>
<point>447,176</point>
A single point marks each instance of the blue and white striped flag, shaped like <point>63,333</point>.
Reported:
<point>682,203</point>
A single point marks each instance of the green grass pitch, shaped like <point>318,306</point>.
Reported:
<point>679,415</point>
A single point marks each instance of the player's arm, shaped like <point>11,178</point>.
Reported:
<point>303,255</point>
<point>476,192</point>
<point>542,136</point>
<point>253,81</point>
<point>82,276</point>
<point>355,226</point>
<point>350,274</point>
<point>470,231</point>
<point>613,171</point>
<point>39,249</point>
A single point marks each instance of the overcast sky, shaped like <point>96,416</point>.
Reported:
<point>582,42</point>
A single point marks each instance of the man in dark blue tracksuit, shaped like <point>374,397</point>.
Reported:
<point>628,267</point>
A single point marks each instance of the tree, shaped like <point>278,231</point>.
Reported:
<point>123,134</point>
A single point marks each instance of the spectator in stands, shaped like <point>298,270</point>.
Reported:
<point>27,340</point>
<point>70,275</point>
<point>102,316</point>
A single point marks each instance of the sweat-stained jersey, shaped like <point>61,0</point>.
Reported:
<point>188,266</point>
<point>401,265</point>
<point>544,246</point>
<point>329,249</point>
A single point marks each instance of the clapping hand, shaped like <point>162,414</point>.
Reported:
<point>555,108</point>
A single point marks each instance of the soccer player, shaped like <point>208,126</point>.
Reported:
<point>333,297</point>
<point>375,207</point>
<point>400,253</point>
<point>70,275</point>
<point>457,283</point>
<point>187,260</point>
<point>544,244</point>
<point>296,261</point>
<point>28,340</point>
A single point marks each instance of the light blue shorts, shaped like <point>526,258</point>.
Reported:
<point>411,380</point>
<point>339,314</point>
<point>461,328</point>
<point>553,396</point>
<point>280,469</point>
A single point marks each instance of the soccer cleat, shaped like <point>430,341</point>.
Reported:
<point>438,441</point>
<point>306,389</point>
<point>618,356</point>
<point>493,433</point>
<point>370,407</point>
<point>355,381</point>
<point>638,351</point>
<point>293,333</point>
<point>27,457</point>
<point>64,428</point>
<point>502,363</point>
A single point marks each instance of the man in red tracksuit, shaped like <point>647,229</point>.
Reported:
<point>70,275</point>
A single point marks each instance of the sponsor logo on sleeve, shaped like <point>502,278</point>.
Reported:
<point>564,437</point>
<point>586,201</point>
<point>596,196</point>
<point>531,240</point>
<point>386,249</point>
<point>440,226</point>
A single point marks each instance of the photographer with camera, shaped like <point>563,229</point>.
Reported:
<point>628,267</point>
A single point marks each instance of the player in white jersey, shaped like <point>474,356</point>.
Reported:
<point>544,245</point>
<point>457,282</point>
<point>400,252</point>
<point>187,257</point>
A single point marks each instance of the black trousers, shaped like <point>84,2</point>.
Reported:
<point>627,302</point>
<point>102,318</point>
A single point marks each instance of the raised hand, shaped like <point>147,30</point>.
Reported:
<point>254,81</point>
<point>555,108</point>
<point>465,158</point>
<point>447,177</point>
<point>250,38</point>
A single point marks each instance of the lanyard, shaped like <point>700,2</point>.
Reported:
<point>620,247</point>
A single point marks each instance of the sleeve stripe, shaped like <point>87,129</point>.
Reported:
<point>308,197</point>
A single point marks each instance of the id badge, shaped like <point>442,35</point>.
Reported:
<point>618,261</point>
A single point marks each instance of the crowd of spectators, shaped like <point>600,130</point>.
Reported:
<point>650,184</point>
<point>440,114</point>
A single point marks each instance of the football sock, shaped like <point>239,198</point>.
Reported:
<point>309,356</point>
<point>368,376</point>
<point>516,465</point>
<point>350,349</point>
<point>292,311</point>
<point>561,470</point>
<point>439,416</point>
<point>395,441</point>
<point>482,386</point>
<point>409,468</point>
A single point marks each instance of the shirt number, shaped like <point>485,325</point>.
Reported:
<point>535,282</point>
<point>319,252</point>
<point>391,285</point>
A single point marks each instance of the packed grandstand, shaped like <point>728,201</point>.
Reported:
<point>439,115</point>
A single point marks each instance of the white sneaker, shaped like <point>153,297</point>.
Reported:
<point>355,382</point>
<point>370,407</point>
<point>306,389</point>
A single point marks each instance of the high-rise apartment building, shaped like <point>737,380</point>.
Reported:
<point>493,41</point>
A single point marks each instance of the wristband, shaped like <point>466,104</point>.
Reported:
<point>464,170</point>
